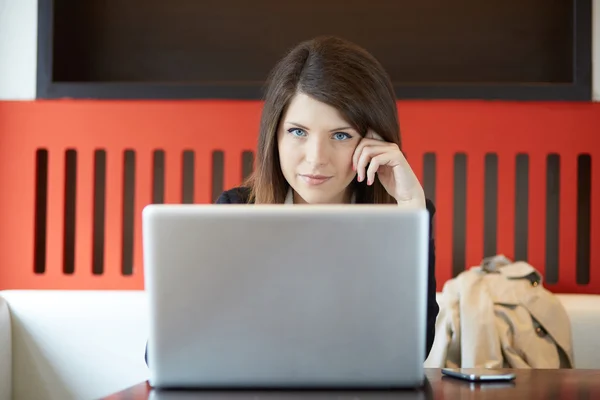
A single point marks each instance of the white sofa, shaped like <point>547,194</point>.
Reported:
<point>89,344</point>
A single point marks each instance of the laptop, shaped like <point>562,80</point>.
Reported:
<point>279,296</point>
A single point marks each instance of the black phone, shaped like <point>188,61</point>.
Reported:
<point>479,374</point>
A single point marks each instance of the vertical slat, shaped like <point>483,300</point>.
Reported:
<point>429,176</point>
<point>99,219</point>
<point>537,211</point>
<point>521,207</point>
<point>506,204</point>
<point>490,205</point>
<point>247,164</point>
<point>56,184</point>
<point>459,246</point>
<point>158,176</point>
<point>113,249</point>
<point>143,196</point>
<point>594,285</point>
<point>218,175</point>
<point>568,223</point>
<point>429,180</point>
<point>474,209</point>
<point>188,170</point>
<point>70,211</point>
<point>173,176</point>
<point>85,212</point>
<point>584,179</point>
<point>444,217</point>
<point>552,217</point>
<point>233,169</point>
<point>203,181</point>
<point>128,218</point>
<point>41,211</point>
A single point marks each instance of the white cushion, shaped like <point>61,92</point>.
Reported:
<point>5,352</point>
<point>77,344</point>
<point>584,313</point>
<point>89,344</point>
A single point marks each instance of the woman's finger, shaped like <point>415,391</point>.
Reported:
<point>370,138</point>
<point>381,146</point>
<point>364,158</point>
<point>375,163</point>
<point>373,135</point>
<point>357,152</point>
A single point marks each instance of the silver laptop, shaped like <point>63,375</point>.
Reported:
<point>285,296</point>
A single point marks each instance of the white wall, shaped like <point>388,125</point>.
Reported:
<point>18,49</point>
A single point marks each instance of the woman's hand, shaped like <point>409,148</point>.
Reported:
<point>393,171</point>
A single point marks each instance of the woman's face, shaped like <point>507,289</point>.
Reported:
<point>315,151</point>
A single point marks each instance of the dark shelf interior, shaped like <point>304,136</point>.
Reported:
<point>236,42</point>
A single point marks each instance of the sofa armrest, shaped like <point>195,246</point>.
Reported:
<point>76,344</point>
<point>5,352</point>
<point>584,315</point>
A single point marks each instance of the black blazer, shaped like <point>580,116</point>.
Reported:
<point>241,195</point>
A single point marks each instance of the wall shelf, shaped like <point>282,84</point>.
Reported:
<point>186,49</point>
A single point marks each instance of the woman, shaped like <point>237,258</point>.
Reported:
<point>329,133</point>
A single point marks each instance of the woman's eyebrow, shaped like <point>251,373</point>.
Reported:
<point>298,125</point>
<point>333,130</point>
<point>342,129</point>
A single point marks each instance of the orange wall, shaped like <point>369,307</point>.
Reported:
<point>443,127</point>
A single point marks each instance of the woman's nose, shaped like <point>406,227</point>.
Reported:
<point>317,152</point>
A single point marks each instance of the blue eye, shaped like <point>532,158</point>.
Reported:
<point>342,136</point>
<point>297,132</point>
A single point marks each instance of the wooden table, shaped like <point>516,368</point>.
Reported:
<point>552,384</point>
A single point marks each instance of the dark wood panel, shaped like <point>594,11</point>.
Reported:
<point>225,48</point>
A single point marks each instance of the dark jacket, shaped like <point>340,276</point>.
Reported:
<point>240,195</point>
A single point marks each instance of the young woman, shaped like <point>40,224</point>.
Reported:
<point>329,133</point>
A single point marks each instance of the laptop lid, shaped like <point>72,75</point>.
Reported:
<point>285,296</point>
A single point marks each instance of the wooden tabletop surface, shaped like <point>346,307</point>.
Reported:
<point>529,384</point>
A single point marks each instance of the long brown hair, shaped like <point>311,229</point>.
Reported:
<point>340,74</point>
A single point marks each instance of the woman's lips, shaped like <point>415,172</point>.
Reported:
<point>314,180</point>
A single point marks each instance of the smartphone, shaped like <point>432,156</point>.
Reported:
<point>479,374</point>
